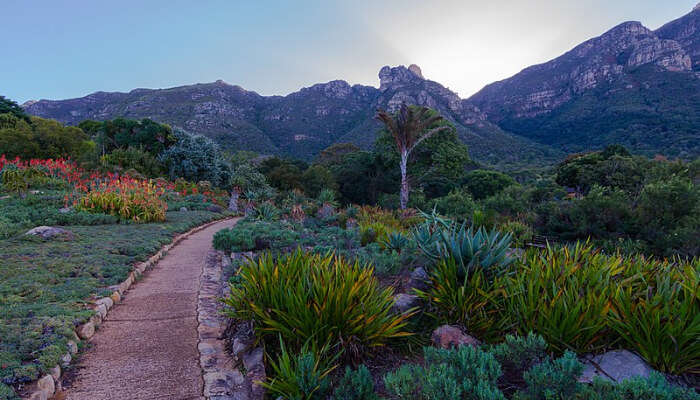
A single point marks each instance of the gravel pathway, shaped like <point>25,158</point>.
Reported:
<point>146,348</point>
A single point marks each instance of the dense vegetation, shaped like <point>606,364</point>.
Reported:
<point>334,242</point>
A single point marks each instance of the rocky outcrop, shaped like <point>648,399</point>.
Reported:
<point>542,88</point>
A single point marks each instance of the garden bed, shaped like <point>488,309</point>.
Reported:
<point>577,301</point>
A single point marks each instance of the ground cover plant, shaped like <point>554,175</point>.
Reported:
<point>44,284</point>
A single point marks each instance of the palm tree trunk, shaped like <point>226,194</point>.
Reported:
<point>404,180</point>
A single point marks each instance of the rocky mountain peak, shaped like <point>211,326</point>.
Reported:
<point>400,75</point>
<point>697,7</point>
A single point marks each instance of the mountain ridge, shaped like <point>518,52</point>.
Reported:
<point>644,85</point>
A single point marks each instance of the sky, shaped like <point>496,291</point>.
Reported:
<point>57,49</point>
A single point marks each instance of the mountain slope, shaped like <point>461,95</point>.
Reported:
<point>303,123</point>
<point>630,85</point>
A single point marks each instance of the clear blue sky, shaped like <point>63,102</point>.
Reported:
<point>63,48</point>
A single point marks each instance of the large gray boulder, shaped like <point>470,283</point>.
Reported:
<point>616,366</point>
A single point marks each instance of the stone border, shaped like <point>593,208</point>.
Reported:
<point>222,375</point>
<point>46,386</point>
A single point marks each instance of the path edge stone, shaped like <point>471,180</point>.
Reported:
<point>46,386</point>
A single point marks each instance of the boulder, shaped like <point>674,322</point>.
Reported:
<point>616,365</point>
<point>183,209</point>
<point>65,210</point>
<point>47,232</point>
<point>419,279</point>
<point>404,302</point>
<point>447,336</point>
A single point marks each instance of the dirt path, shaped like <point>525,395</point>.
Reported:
<point>146,348</point>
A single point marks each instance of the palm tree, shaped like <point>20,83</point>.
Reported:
<point>409,126</point>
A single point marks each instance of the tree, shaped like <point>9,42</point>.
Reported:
<point>196,158</point>
<point>8,106</point>
<point>410,126</point>
<point>483,183</point>
<point>316,178</point>
<point>40,138</point>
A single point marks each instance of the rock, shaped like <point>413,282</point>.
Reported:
<point>183,209</point>
<point>447,336</point>
<point>616,365</point>
<point>106,301</point>
<point>404,302</point>
<point>65,210</point>
<point>115,296</point>
<point>101,309</point>
<point>253,359</point>
<point>86,330</point>
<point>419,279</point>
<point>66,359</point>
<point>38,395</point>
<point>72,347</point>
<point>222,383</point>
<point>47,232</point>
<point>55,372</point>
<point>5,197</point>
<point>46,385</point>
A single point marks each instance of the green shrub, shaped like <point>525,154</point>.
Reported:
<point>463,373</point>
<point>266,212</point>
<point>553,379</point>
<point>563,295</point>
<point>657,313</point>
<point>355,385</point>
<point>302,376</point>
<point>521,233</point>
<point>654,387</point>
<point>473,300</point>
<point>323,299</point>
<point>133,158</point>
<point>518,353</point>
<point>250,235</point>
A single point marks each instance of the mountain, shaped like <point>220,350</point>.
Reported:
<point>630,85</point>
<point>302,123</point>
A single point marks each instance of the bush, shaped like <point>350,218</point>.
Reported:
<point>250,235</point>
<point>134,158</point>
<point>556,379</point>
<point>302,376</point>
<point>196,158</point>
<point>126,198</point>
<point>472,300</point>
<point>457,204</point>
<point>518,353</point>
<point>323,299</point>
<point>657,313</point>
<point>653,387</point>
<point>563,295</point>
<point>355,385</point>
<point>463,373</point>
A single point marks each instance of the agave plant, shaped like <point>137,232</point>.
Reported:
<point>395,241</point>
<point>440,238</point>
